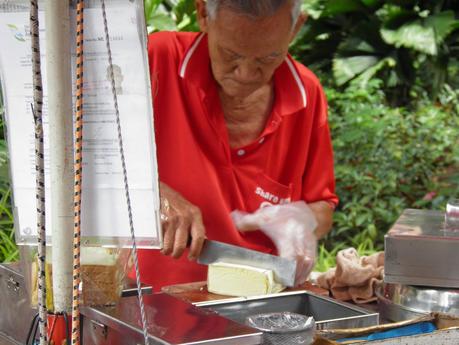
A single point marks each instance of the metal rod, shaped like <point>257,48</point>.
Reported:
<point>57,17</point>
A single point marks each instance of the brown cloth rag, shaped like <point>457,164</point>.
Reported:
<point>354,277</point>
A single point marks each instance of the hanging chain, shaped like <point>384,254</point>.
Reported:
<point>39,170</point>
<point>78,159</point>
<point>126,186</point>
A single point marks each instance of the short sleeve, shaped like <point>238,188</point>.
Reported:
<point>319,177</point>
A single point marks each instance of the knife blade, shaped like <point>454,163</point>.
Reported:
<point>215,251</point>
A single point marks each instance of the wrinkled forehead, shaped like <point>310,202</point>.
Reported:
<point>251,33</point>
<point>255,8</point>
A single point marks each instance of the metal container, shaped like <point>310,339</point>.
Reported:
<point>403,302</point>
<point>328,313</point>
<point>420,250</point>
<point>170,321</point>
<point>15,312</point>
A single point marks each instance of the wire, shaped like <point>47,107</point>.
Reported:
<point>31,328</point>
<point>67,335</point>
<point>126,185</point>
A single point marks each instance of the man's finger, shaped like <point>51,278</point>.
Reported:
<point>198,236</point>
<point>181,238</point>
<point>169,227</point>
<point>168,237</point>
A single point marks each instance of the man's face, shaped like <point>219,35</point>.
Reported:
<point>245,51</point>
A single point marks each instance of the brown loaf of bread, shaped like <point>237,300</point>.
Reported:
<point>101,284</point>
<point>102,274</point>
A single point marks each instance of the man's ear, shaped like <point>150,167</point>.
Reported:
<point>299,23</point>
<point>201,14</point>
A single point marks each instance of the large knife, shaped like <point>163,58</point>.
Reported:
<point>214,251</point>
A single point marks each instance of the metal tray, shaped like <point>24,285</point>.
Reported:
<point>327,312</point>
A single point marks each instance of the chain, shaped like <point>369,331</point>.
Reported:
<point>126,186</point>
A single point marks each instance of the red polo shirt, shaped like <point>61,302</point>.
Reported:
<point>290,160</point>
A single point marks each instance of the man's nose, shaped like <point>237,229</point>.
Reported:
<point>246,72</point>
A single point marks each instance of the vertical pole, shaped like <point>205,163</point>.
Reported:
<point>59,84</point>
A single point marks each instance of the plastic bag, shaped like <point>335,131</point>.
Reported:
<point>291,228</point>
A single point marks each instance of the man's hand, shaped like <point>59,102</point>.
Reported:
<point>181,222</point>
<point>323,211</point>
<point>291,227</point>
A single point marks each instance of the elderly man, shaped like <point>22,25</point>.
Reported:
<point>239,125</point>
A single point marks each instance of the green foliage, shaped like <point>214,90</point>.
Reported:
<point>8,249</point>
<point>169,15</point>
<point>388,159</point>
<point>406,44</point>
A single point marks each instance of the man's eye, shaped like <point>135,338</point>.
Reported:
<point>230,56</point>
<point>268,60</point>
<point>233,56</point>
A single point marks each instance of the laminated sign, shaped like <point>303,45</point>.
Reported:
<point>104,207</point>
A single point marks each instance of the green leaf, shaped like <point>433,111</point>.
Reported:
<point>161,22</point>
<point>443,24</point>
<point>412,35</point>
<point>336,7</point>
<point>371,3</point>
<point>346,68</point>
<point>356,44</point>
<point>364,78</point>
<point>150,8</point>
<point>184,8</point>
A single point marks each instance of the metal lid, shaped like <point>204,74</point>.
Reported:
<point>422,224</point>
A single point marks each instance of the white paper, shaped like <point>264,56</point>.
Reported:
<point>104,208</point>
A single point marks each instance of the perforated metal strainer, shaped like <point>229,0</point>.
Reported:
<point>284,328</point>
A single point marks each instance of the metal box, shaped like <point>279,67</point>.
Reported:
<point>15,312</point>
<point>420,251</point>
<point>170,321</point>
<point>328,313</point>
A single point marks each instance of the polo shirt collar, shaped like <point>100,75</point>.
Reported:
<point>290,92</point>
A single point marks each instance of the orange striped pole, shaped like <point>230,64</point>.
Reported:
<point>78,156</point>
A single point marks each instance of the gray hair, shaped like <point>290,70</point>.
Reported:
<point>253,8</point>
